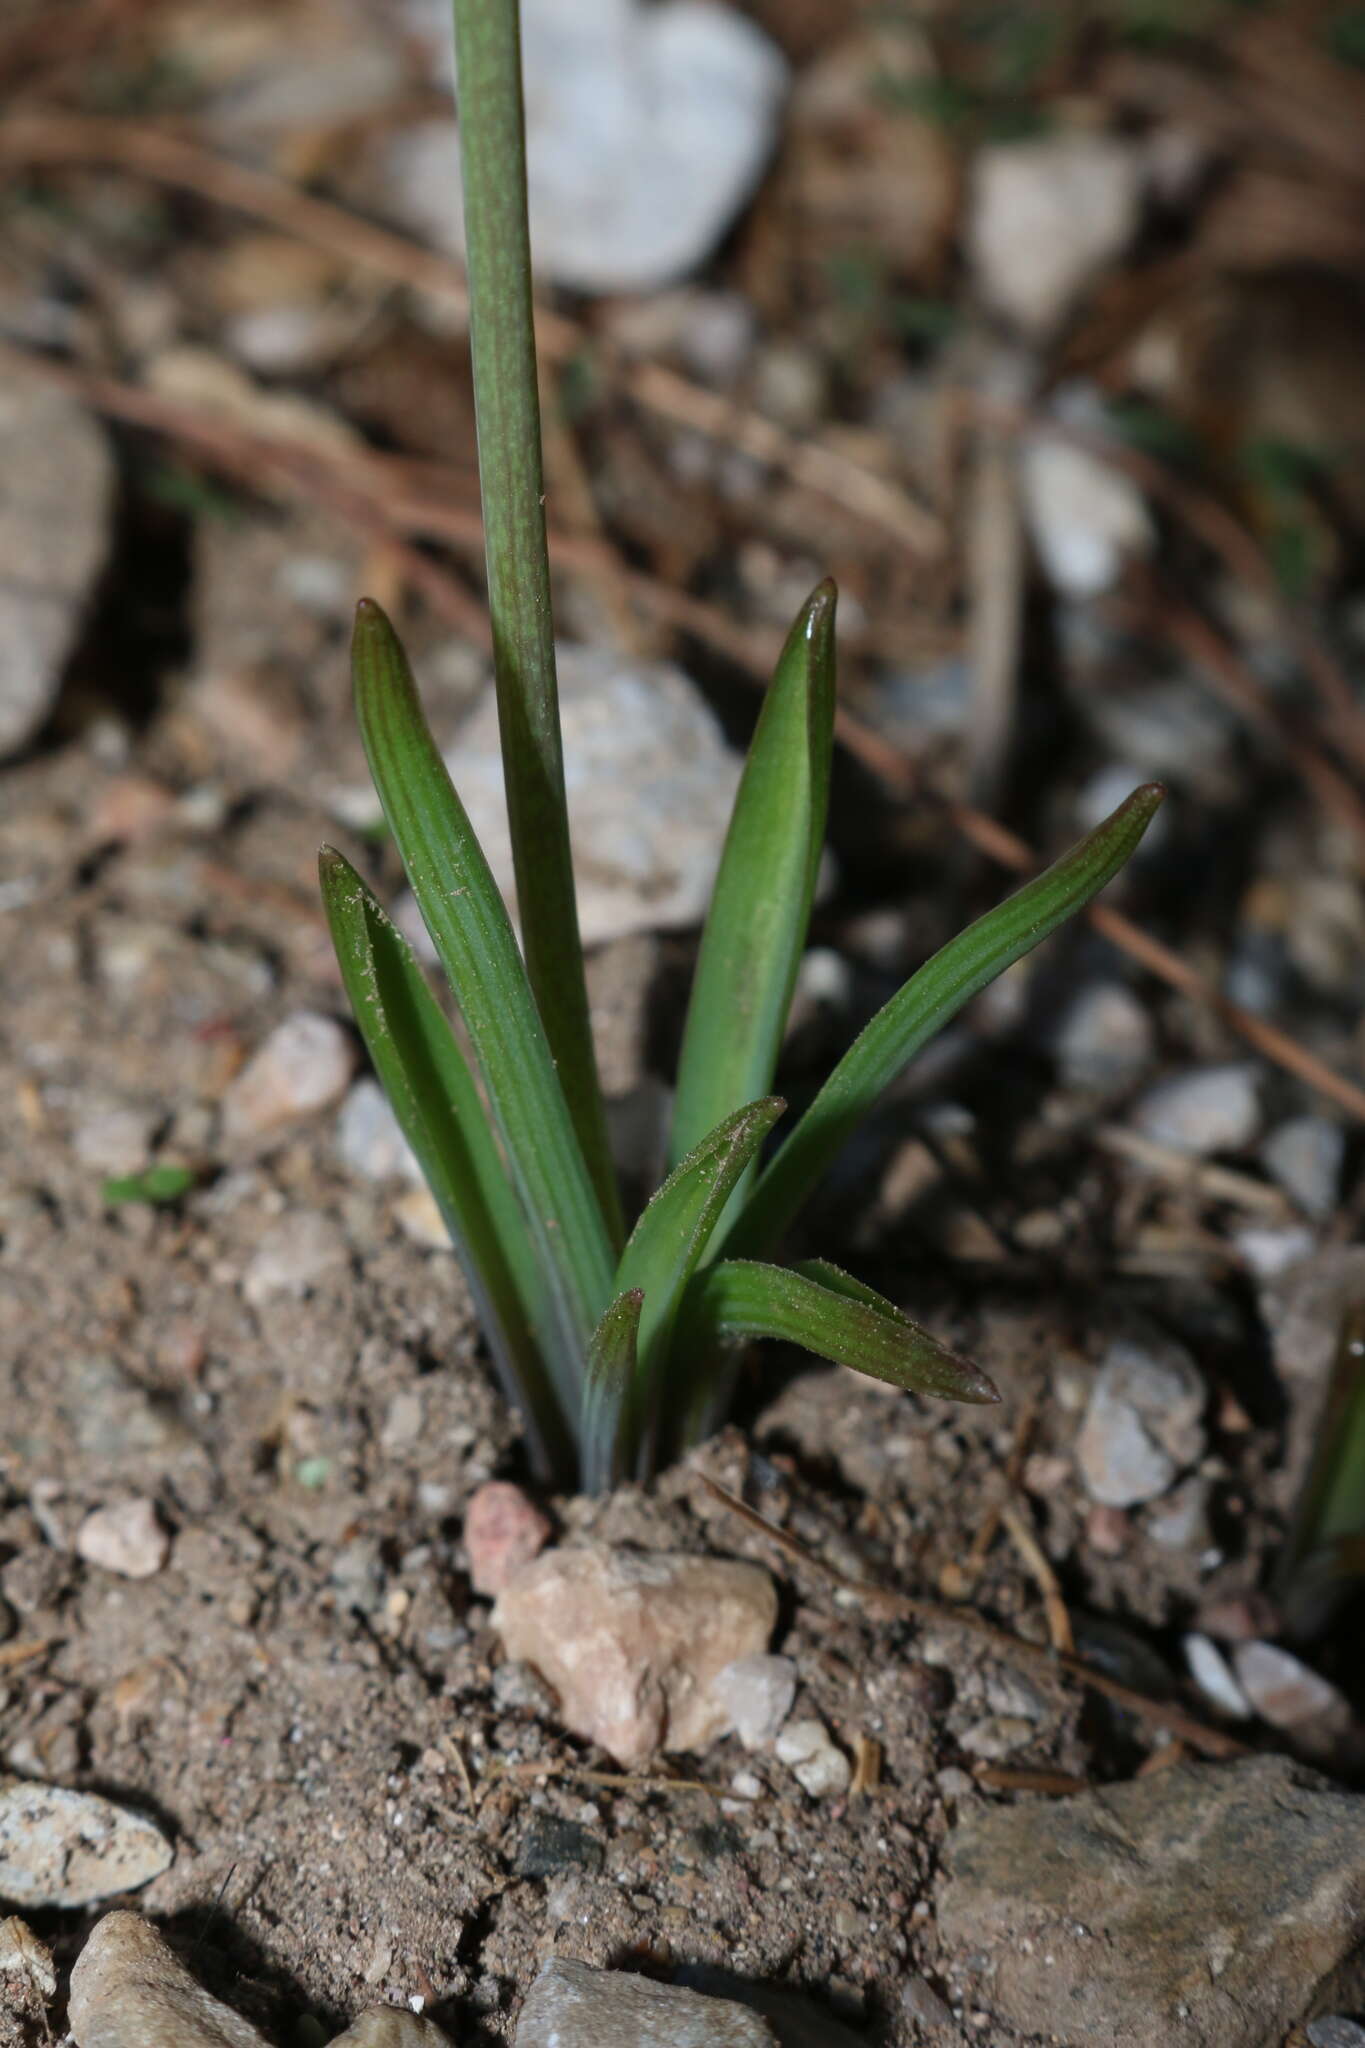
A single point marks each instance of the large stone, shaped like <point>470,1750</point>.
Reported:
<point>633,1641</point>
<point>1212,1905</point>
<point>571,2005</point>
<point>647,127</point>
<point>65,1848</point>
<point>390,2026</point>
<point>56,492</point>
<point>128,1990</point>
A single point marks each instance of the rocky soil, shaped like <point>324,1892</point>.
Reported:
<point>877,1721</point>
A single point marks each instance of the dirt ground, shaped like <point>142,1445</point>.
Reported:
<point>284,1360</point>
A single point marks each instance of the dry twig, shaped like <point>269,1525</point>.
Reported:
<point>357,489</point>
<point>909,1607</point>
<point>61,139</point>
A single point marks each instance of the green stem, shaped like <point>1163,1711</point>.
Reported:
<point>507,411</point>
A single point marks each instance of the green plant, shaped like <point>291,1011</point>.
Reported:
<point>617,1347</point>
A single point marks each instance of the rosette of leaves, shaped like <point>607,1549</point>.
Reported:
<point>616,1345</point>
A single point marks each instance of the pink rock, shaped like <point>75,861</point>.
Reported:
<point>632,1641</point>
<point>503,1531</point>
<point>1107,1530</point>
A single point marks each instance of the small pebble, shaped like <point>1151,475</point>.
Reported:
<point>632,1640</point>
<point>303,1066</point>
<point>1086,517</point>
<point>1282,1690</point>
<point>818,1766</point>
<point>552,1844</point>
<point>293,1256</point>
<point>1268,1251</point>
<point>1142,1424</point>
<point>1044,216</point>
<point>954,1783</point>
<point>503,1530</point>
<point>369,1138</point>
<point>1105,1038</point>
<point>519,1687</point>
<point>998,1735</point>
<point>757,1694</point>
<point>25,1960</point>
<point>358,1574</point>
<point>1181,1520</point>
<point>1333,2030</point>
<point>125,1538</point>
<point>1209,1669</point>
<point>420,1219</point>
<point>1213,1109</point>
<point>919,2001</point>
<point>116,1140</point>
<point>571,2005</point>
<point>1305,1156</point>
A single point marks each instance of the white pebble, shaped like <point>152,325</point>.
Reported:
<point>1305,1156</point>
<point>1281,1689</point>
<point>1142,1426</point>
<point>816,1764</point>
<point>126,1538</point>
<point>757,1694</point>
<point>303,1066</point>
<point>369,1138</point>
<point>1212,1109</point>
<point>1208,1667</point>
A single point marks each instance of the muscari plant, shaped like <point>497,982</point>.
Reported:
<point>618,1346</point>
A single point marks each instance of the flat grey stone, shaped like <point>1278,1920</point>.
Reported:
<point>1212,1905</point>
<point>65,1848</point>
<point>571,2005</point>
<point>129,1990</point>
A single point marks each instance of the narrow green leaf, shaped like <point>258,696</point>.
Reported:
<point>712,1373</point>
<point>923,1006</point>
<point>438,1107</point>
<point>473,936</point>
<point>607,1388</point>
<point>760,908</point>
<point>507,415</point>
<point>668,1242</point>
<point>741,1298</point>
<point>155,1184</point>
<point>826,1274</point>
